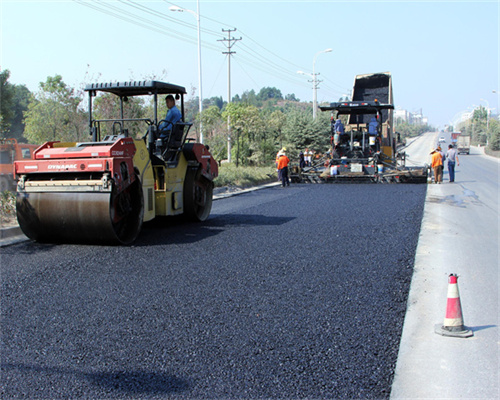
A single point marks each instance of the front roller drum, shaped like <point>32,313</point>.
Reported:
<point>82,217</point>
<point>198,196</point>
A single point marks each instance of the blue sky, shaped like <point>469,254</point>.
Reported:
<point>443,55</point>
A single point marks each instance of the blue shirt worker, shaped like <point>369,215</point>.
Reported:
<point>173,116</point>
<point>338,127</point>
<point>372,126</point>
<point>452,157</point>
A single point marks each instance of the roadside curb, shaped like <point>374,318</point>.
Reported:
<point>14,234</point>
<point>228,193</point>
<point>10,232</point>
<point>11,235</point>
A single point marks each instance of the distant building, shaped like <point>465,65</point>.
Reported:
<point>401,116</point>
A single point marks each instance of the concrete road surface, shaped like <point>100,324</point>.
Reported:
<point>459,235</point>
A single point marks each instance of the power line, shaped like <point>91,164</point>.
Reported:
<point>249,55</point>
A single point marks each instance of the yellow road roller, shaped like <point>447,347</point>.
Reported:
<point>101,191</point>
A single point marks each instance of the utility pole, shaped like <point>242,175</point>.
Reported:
<point>315,83</point>
<point>229,43</point>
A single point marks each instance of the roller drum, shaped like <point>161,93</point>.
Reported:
<point>82,217</point>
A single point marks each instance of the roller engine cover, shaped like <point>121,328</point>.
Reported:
<point>200,153</point>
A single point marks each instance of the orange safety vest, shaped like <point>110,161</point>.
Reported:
<point>437,159</point>
<point>283,162</point>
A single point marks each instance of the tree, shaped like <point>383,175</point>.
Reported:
<point>250,98</point>
<point>6,103</point>
<point>479,119</point>
<point>275,123</point>
<point>409,130</point>
<point>247,125</point>
<point>13,104</point>
<point>22,96</point>
<point>213,101</point>
<point>54,114</point>
<point>215,131</point>
<point>494,137</point>
<point>267,93</point>
<point>107,106</point>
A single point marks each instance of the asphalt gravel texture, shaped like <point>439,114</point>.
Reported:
<point>284,293</point>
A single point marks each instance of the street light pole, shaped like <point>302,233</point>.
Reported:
<point>200,92</point>
<point>315,81</point>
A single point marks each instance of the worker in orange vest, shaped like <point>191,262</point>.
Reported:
<point>283,162</point>
<point>437,165</point>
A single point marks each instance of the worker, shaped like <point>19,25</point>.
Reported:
<point>443,154</point>
<point>308,157</point>
<point>338,131</point>
<point>173,116</point>
<point>338,127</point>
<point>452,157</point>
<point>302,161</point>
<point>278,155</point>
<point>437,166</point>
<point>283,162</point>
<point>372,126</point>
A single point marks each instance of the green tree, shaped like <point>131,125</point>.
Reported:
<point>212,120</point>
<point>22,97</point>
<point>479,119</point>
<point>291,97</point>
<point>276,122</point>
<point>215,129</point>
<point>13,103</point>
<point>54,114</point>
<point>107,106</point>
<point>6,102</point>
<point>494,134</point>
<point>267,93</point>
<point>250,98</point>
<point>409,130</point>
<point>247,127</point>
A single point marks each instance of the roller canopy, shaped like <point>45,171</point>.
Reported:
<point>136,88</point>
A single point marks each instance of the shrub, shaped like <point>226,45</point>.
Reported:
<point>7,206</point>
<point>230,175</point>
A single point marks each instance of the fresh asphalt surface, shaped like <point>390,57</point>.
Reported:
<point>295,292</point>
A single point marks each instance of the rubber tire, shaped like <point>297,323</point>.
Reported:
<point>197,196</point>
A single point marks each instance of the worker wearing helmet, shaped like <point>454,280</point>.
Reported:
<point>283,162</point>
<point>278,155</point>
<point>437,165</point>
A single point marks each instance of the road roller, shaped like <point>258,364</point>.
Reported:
<point>130,171</point>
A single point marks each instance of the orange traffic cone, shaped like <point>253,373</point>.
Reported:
<point>453,321</point>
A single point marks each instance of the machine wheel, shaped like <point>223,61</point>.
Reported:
<point>198,193</point>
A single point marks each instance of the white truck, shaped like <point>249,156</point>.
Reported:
<point>463,144</point>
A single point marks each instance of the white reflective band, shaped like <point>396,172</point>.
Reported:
<point>95,165</point>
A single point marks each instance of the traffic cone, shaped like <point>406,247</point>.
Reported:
<point>453,321</point>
